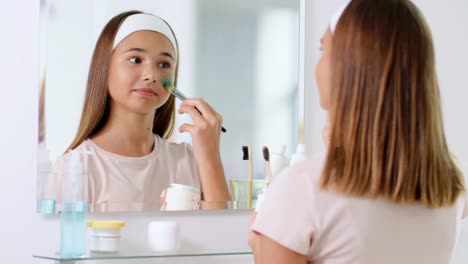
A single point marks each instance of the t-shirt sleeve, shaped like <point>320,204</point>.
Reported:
<point>286,214</point>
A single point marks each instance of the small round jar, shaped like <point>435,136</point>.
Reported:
<point>182,197</point>
<point>104,236</point>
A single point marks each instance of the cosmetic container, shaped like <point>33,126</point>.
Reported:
<point>260,197</point>
<point>163,236</point>
<point>278,160</point>
<point>104,236</point>
<point>182,197</point>
<point>46,187</point>
<point>239,190</point>
<point>74,209</point>
<point>299,156</point>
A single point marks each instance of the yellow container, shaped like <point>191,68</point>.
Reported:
<point>105,235</point>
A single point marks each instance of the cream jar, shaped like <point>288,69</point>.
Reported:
<point>182,197</point>
<point>163,236</point>
<point>104,236</point>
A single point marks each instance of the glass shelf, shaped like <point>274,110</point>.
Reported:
<point>141,255</point>
<point>49,207</point>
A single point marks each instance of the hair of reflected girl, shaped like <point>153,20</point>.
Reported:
<point>387,137</point>
<point>96,106</point>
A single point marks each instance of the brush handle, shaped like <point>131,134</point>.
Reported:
<point>178,94</point>
<point>249,181</point>
<point>182,97</point>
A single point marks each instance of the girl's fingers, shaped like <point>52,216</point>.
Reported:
<point>219,117</point>
<point>187,128</point>
<point>194,113</point>
<point>162,197</point>
<point>205,109</point>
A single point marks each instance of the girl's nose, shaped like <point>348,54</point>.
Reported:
<point>150,75</point>
<point>150,79</point>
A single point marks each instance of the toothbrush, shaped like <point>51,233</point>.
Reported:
<point>247,155</point>
<point>266,157</point>
<point>168,86</point>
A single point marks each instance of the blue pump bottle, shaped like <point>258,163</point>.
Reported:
<point>74,209</point>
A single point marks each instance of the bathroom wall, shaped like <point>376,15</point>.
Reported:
<point>22,231</point>
<point>18,89</point>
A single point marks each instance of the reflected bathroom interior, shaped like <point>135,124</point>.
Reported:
<point>226,52</point>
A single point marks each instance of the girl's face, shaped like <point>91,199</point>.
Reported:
<point>323,70</point>
<point>138,64</point>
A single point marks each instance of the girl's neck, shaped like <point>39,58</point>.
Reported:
<point>127,134</point>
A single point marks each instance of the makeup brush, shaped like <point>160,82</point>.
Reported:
<point>266,157</point>
<point>168,86</point>
<point>247,155</point>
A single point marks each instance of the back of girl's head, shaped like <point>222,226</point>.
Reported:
<point>96,106</point>
<point>387,133</point>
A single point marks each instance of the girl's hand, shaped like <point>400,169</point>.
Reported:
<point>205,130</point>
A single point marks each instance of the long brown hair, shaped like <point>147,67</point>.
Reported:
<point>96,106</point>
<point>387,137</point>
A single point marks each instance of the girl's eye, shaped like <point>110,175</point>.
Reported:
<point>136,60</point>
<point>164,65</point>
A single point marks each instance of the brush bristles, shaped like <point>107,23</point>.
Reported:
<point>245,152</point>
<point>266,153</point>
<point>167,84</point>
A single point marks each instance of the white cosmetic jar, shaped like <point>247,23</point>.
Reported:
<point>182,197</point>
<point>163,236</point>
<point>104,236</point>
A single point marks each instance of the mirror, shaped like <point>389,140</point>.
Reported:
<point>242,57</point>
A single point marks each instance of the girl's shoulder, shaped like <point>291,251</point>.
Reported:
<point>307,171</point>
<point>172,147</point>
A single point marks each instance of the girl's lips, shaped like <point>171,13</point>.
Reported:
<point>146,92</point>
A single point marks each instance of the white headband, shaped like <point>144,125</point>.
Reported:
<point>140,22</point>
<point>336,17</point>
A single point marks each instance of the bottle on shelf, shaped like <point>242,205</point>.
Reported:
<point>74,208</point>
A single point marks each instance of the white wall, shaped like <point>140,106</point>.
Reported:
<point>18,136</point>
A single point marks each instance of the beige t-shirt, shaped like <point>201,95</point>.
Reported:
<point>117,182</point>
<point>332,228</point>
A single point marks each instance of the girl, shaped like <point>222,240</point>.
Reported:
<point>128,117</point>
<point>388,189</point>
